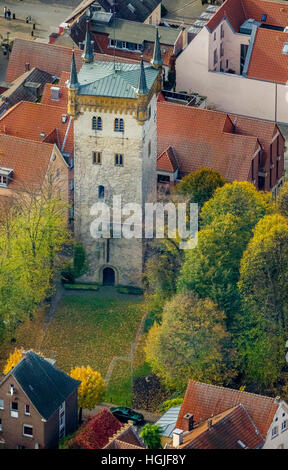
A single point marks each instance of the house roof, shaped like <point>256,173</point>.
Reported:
<point>103,79</point>
<point>20,90</point>
<point>125,438</point>
<point>46,386</point>
<point>35,121</point>
<point>233,429</point>
<point>51,58</point>
<point>167,422</point>
<point>167,160</point>
<point>236,12</point>
<point>267,60</point>
<point>96,433</point>
<point>204,401</point>
<point>203,137</point>
<point>29,160</point>
<point>142,9</point>
<point>132,31</point>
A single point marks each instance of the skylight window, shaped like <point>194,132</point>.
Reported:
<point>131,8</point>
<point>264,17</point>
<point>285,48</point>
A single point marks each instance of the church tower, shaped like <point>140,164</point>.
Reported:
<point>114,107</point>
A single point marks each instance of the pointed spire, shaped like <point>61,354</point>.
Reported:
<point>73,82</point>
<point>157,60</point>
<point>142,85</point>
<point>88,54</point>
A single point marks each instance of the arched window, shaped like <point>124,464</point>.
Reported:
<point>119,125</point>
<point>97,123</point>
<point>101,192</point>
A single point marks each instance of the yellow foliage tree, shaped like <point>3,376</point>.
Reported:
<point>12,360</point>
<point>92,387</point>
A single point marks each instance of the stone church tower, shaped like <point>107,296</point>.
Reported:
<point>114,107</point>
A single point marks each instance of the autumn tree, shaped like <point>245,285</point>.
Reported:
<point>263,325</point>
<point>191,343</point>
<point>282,200</point>
<point>200,185</point>
<point>92,387</point>
<point>151,434</point>
<point>13,360</point>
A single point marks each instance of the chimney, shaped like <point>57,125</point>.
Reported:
<point>177,437</point>
<point>278,400</point>
<point>55,93</point>
<point>27,67</point>
<point>188,422</point>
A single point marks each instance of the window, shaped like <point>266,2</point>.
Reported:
<point>278,147</point>
<point>27,410</point>
<point>284,425</point>
<point>1,404</point>
<point>215,57</point>
<point>101,192</point>
<point>0,424</point>
<point>71,185</point>
<point>149,112</point>
<point>222,31</point>
<point>221,50</point>
<point>97,123</point>
<point>97,158</point>
<point>119,125</point>
<point>14,406</point>
<point>243,52</point>
<point>149,148</point>
<point>221,67</point>
<point>72,163</point>
<point>57,173</point>
<point>214,36</point>
<point>264,17</point>
<point>274,431</point>
<point>27,430</point>
<point>227,64</point>
<point>118,159</point>
<point>3,180</point>
<point>112,43</point>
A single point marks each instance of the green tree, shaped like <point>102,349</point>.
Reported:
<point>263,326</point>
<point>151,434</point>
<point>282,200</point>
<point>92,387</point>
<point>191,343</point>
<point>199,186</point>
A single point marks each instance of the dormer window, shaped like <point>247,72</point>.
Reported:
<point>5,175</point>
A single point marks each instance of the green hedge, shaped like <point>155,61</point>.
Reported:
<point>94,287</point>
<point>130,290</point>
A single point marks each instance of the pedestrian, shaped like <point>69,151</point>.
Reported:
<point>9,14</point>
<point>5,12</point>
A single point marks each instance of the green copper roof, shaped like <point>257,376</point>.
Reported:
<point>117,80</point>
<point>45,385</point>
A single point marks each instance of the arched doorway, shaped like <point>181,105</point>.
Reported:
<point>108,277</point>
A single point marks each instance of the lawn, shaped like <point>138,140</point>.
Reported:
<point>88,328</point>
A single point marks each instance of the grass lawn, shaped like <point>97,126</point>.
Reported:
<point>88,328</point>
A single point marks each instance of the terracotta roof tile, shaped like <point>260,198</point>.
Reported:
<point>167,160</point>
<point>233,429</point>
<point>202,137</point>
<point>204,401</point>
<point>28,160</point>
<point>267,61</point>
<point>30,120</point>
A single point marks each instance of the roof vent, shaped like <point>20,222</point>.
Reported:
<point>64,118</point>
<point>285,29</point>
<point>42,134</point>
<point>285,48</point>
<point>131,8</point>
<point>55,93</point>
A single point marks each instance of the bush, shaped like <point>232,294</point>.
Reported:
<point>94,287</point>
<point>79,267</point>
<point>130,290</point>
<point>166,405</point>
<point>67,275</point>
<point>148,393</point>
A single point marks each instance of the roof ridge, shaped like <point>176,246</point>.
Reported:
<point>234,390</point>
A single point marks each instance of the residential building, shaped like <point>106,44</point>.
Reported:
<point>104,431</point>
<point>167,423</point>
<point>219,417</point>
<point>114,107</point>
<point>239,60</point>
<point>27,87</point>
<point>38,404</point>
<point>25,165</point>
<point>143,11</point>
<point>240,148</point>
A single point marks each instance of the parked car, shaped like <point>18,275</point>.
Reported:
<point>125,414</point>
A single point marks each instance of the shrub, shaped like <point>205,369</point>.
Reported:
<point>130,290</point>
<point>169,403</point>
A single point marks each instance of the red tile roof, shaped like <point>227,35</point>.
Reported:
<point>63,100</point>
<point>167,160</point>
<point>267,61</point>
<point>226,432</point>
<point>30,120</point>
<point>204,401</point>
<point>237,11</point>
<point>28,160</point>
<point>95,434</point>
<point>48,57</point>
<point>202,137</point>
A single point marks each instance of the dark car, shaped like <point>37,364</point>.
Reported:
<point>125,414</point>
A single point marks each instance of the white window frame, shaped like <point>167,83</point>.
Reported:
<point>1,404</point>
<point>285,427</point>
<point>25,412</point>
<point>274,432</point>
<point>28,435</point>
